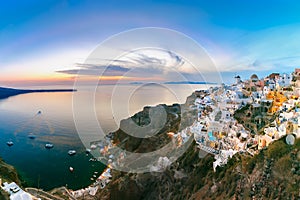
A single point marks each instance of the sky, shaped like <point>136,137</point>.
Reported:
<point>46,42</point>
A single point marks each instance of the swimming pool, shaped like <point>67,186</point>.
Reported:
<point>211,137</point>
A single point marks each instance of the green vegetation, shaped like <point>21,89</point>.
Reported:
<point>251,162</point>
<point>278,149</point>
<point>283,164</point>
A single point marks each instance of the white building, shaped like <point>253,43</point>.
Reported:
<point>16,193</point>
<point>285,80</point>
<point>272,85</point>
<point>266,90</point>
<point>237,79</point>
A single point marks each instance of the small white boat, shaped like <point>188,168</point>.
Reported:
<point>49,146</point>
<point>71,152</point>
<point>71,169</point>
<point>88,151</point>
<point>9,143</point>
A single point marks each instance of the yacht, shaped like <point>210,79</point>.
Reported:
<point>71,152</point>
<point>9,143</point>
<point>49,146</point>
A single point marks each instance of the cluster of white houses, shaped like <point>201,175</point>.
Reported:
<point>218,132</point>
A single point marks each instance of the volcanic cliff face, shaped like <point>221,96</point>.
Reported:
<point>272,174</point>
<point>177,117</point>
<point>144,145</point>
<point>7,174</point>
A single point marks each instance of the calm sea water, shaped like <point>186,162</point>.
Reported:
<point>46,168</point>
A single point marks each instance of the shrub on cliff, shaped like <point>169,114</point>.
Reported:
<point>278,149</point>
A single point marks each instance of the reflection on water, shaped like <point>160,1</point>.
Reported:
<point>55,124</point>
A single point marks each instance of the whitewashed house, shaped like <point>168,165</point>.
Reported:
<point>285,80</point>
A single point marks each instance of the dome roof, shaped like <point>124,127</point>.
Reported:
<point>254,77</point>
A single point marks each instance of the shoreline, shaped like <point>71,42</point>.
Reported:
<point>8,92</point>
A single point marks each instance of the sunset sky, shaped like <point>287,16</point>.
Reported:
<point>45,42</point>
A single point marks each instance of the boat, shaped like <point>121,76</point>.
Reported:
<point>71,152</point>
<point>31,136</point>
<point>9,143</point>
<point>71,169</point>
<point>88,151</point>
<point>93,159</point>
<point>49,146</point>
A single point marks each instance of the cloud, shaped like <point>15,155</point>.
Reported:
<point>142,63</point>
<point>96,70</point>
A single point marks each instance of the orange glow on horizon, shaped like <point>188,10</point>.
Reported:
<point>51,79</point>
<point>58,78</point>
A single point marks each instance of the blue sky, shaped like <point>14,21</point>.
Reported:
<point>39,38</point>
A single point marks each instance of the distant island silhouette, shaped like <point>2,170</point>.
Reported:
<point>8,92</point>
<point>176,82</point>
<point>189,82</point>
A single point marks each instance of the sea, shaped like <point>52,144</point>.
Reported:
<point>50,118</point>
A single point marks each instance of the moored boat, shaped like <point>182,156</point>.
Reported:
<point>49,146</point>
<point>9,143</point>
<point>31,136</point>
<point>71,152</point>
<point>88,151</point>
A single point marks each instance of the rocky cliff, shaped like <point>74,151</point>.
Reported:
<point>7,174</point>
<point>272,174</point>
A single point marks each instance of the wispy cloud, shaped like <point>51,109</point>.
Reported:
<point>135,64</point>
<point>96,70</point>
